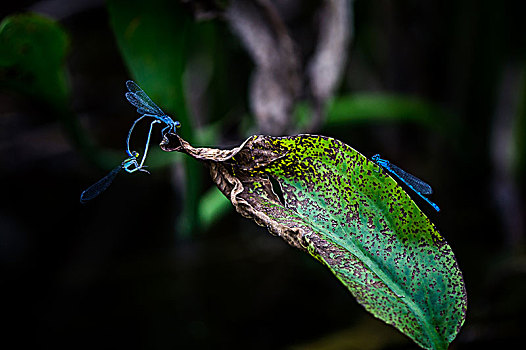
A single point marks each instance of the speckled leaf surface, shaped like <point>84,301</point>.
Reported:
<point>339,207</point>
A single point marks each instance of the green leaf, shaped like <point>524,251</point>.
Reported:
<point>32,54</point>
<point>342,209</point>
<point>367,107</point>
<point>212,206</point>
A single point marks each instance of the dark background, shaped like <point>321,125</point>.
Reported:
<point>144,266</point>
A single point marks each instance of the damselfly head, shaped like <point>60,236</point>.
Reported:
<point>375,157</point>
<point>177,124</point>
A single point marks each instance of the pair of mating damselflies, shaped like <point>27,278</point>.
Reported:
<point>147,108</point>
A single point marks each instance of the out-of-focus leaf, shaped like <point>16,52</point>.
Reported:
<point>33,51</point>
<point>360,108</point>
<point>151,36</point>
<point>341,208</point>
<point>32,54</point>
<point>303,114</point>
<point>212,206</point>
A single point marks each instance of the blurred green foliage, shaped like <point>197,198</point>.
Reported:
<point>33,53</point>
<point>387,108</point>
<point>32,58</point>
